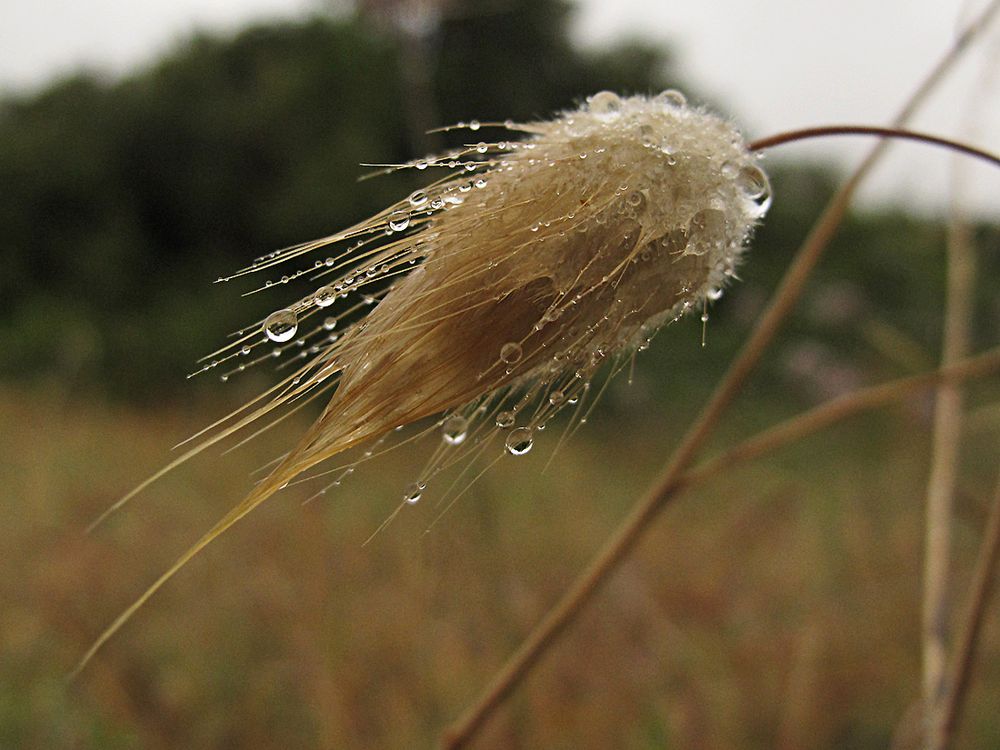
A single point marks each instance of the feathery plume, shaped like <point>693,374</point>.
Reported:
<point>494,294</point>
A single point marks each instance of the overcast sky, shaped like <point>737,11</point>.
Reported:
<point>777,65</point>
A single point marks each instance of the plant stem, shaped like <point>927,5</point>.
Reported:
<point>791,136</point>
<point>941,488</point>
<point>965,649</point>
<point>838,409</point>
<point>937,689</point>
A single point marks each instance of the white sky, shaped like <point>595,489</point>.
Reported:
<point>778,64</point>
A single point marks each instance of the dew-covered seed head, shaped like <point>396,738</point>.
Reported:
<point>494,294</point>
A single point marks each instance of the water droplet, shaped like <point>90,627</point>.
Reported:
<point>481,147</point>
<point>714,293</point>
<point>480,183</point>
<point>325,296</point>
<point>418,198</point>
<point>399,220</point>
<point>510,352</point>
<point>413,492</point>
<point>281,326</point>
<point>421,165</point>
<point>674,241</point>
<point>519,441</point>
<point>455,429</point>
<point>636,200</point>
<point>474,125</point>
<point>329,323</point>
<point>730,169</point>
<point>245,349</point>
<point>557,397</point>
<point>671,98</point>
<point>605,102</point>
<point>506,419</point>
<point>753,183</point>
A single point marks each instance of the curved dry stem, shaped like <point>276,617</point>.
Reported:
<point>792,136</point>
<point>965,648</point>
<point>620,545</point>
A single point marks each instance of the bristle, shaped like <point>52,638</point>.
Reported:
<point>496,293</point>
<point>577,244</point>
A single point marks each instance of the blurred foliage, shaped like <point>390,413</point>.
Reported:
<point>125,200</point>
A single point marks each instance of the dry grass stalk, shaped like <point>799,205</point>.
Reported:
<point>939,692</point>
<point>825,415</point>
<point>983,578</point>
<point>942,481</point>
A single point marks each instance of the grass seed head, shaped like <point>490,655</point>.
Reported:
<point>538,261</point>
<point>496,292</point>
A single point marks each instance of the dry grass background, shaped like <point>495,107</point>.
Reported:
<point>776,607</point>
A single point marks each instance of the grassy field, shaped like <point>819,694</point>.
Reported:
<point>776,607</point>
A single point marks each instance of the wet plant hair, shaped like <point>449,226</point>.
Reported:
<point>493,295</point>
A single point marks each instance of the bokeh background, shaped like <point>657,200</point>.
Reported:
<point>778,606</point>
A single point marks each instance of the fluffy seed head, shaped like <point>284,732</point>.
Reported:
<point>496,292</point>
<point>515,277</point>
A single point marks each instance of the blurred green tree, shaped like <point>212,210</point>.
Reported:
<point>124,200</point>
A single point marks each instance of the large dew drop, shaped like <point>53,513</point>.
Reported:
<point>413,492</point>
<point>455,429</point>
<point>281,326</point>
<point>671,98</point>
<point>325,296</point>
<point>753,183</point>
<point>510,352</point>
<point>605,103</point>
<point>519,441</point>
<point>399,220</point>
